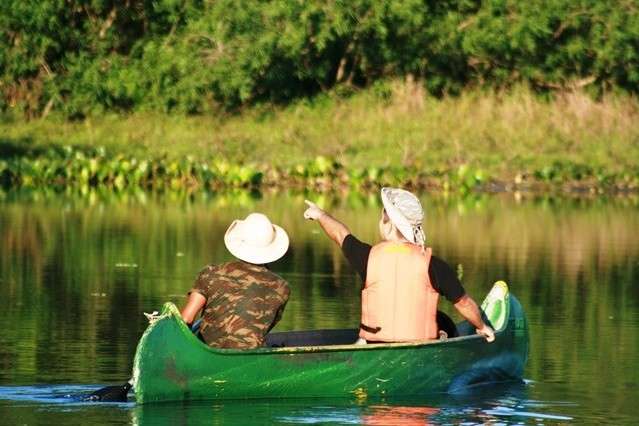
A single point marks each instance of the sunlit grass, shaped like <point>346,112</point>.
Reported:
<point>503,135</point>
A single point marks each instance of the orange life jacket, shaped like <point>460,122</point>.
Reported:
<point>399,303</point>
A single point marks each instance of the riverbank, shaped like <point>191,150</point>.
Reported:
<point>391,134</point>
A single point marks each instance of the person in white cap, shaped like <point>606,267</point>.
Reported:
<point>402,278</point>
<point>241,300</point>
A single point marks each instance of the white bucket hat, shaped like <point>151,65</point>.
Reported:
<point>256,240</point>
<point>405,212</point>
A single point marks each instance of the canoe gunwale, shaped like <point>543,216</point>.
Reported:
<point>171,312</point>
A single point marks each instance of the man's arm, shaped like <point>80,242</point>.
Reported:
<point>193,306</point>
<point>335,229</point>
<point>469,310</point>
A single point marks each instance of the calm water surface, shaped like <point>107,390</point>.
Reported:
<point>76,274</point>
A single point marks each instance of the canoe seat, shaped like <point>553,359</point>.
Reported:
<point>311,338</point>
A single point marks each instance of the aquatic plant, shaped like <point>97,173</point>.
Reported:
<point>94,168</point>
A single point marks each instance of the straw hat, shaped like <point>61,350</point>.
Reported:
<point>405,212</point>
<point>256,240</point>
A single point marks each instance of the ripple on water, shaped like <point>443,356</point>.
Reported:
<point>51,394</point>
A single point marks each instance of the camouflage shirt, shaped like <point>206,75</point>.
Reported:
<point>243,302</point>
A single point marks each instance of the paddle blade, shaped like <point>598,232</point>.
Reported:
<point>110,394</point>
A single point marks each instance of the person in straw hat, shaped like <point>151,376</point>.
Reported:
<point>241,300</point>
<point>402,278</point>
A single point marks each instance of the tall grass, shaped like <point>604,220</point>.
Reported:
<point>505,135</point>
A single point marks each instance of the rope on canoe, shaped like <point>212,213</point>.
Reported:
<point>153,316</point>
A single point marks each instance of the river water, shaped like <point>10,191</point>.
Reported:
<point>76,274</point>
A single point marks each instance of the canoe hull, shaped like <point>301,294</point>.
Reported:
<point>172,364</point>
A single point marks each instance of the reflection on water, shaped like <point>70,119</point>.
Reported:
<point>497,404</point>
<point>77,273</point>
<point>397,415</point>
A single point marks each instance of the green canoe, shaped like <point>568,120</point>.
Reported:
<point>172,364</point>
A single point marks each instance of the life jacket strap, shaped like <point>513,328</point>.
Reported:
<point>370,329</point>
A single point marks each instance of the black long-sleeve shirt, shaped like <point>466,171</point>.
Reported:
<point>442,277</point>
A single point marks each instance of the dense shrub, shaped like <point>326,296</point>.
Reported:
<point>85,56</point>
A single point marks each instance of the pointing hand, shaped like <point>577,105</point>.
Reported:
<point>312,212</point>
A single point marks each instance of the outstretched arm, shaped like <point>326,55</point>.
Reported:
<point>193,306</point>
<point>335,229</point>
<point>469,310</point>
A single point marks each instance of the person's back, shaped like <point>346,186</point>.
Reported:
<point>243,302</point>
<point>399,303</point>
<point>401,291</point>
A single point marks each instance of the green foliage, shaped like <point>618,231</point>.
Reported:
<point>85,169</point>
<point>555,43</point>
<point>192,56</point>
